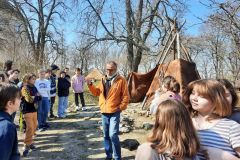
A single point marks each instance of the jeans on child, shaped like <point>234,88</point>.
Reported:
<point>43,108</point>
<point>62,105</point>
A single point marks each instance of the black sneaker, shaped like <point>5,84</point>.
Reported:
<point>46,125</point>
<point>52,116</point>
<point>33,147</point>
<point>25,151</point>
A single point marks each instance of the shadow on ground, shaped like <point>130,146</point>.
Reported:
<point>77,137</point>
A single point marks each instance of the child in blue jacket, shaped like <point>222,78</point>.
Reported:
<point>10,100</point>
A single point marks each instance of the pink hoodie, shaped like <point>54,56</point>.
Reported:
<point>78,83</point>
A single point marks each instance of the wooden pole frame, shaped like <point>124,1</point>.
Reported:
<point>176,37</point>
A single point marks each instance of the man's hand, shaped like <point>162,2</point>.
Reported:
<point>89,81</point>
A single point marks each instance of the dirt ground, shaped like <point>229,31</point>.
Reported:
<point>79,137</point>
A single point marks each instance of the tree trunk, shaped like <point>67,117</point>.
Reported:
<point>129,26</point>
<point>42,57</point>
<point>137,59</point>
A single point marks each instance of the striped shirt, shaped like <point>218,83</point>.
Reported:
<point>225,135</point>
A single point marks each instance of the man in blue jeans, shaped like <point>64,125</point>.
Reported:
<point>113,98</point>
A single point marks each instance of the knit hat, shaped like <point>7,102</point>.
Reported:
<point>54,67</point>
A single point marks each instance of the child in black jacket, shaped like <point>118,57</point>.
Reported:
<point>63,92</point>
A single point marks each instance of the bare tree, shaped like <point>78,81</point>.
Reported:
<point>38,23</point>
<point>226,17</point>
<point>13,46</point>
<point>133,27</point>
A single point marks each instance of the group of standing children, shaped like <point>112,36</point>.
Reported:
<point>38,98</point>
<point>64,83</point>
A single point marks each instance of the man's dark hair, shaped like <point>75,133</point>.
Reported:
<point>8,92</point>
<point>8,65</point>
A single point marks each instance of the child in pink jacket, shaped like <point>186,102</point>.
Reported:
<point>77,82</point>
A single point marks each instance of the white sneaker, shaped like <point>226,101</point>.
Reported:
<point>84,108</point>
<point>77,108</point>
<point>67,111</point>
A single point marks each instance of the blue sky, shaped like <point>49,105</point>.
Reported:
<point>195,9</point>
